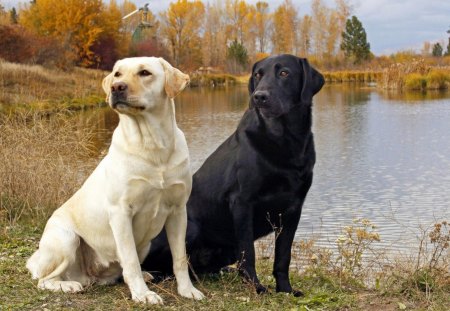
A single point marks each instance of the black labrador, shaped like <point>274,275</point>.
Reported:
<point>255,183</point>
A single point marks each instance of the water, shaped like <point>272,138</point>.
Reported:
<point>381,156</point>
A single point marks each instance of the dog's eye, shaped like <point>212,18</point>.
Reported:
<point>117,74</point>
<point>258,75</point>
<point>145,73</point>
<point>284,73</point>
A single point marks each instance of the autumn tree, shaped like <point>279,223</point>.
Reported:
<point>4,18</point>
<point>181,25</point>
<point>343,11</point>
<point>284,28</point>
<point>318,30</point>
<point>75,23</point>
<point>262,24</point>
<point>237,19</point>
<point>304,36</point>
<point>354,41</point>
<point>214,39</point>
<point>426,49</point>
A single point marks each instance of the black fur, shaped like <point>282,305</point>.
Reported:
<point>255,183</point>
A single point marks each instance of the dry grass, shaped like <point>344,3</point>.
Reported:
<point>212,80</point>
<point>43,161</point>
<point>415,75</point>
<point>33,86</point>
<point>352,76</point>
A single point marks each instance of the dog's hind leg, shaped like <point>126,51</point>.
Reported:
<point>55,256</point>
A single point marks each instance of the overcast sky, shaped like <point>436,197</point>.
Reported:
<point>391,25</point>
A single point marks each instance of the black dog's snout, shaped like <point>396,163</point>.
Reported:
<point>119,87</point>
<point>260,97</point>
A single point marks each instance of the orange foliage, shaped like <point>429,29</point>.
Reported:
<point>21,46</point>
<point>78,24</point>
<point>260,56</point>
<point>181,26</point>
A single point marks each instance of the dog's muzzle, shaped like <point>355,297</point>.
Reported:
<point>119,93</point>
<point>260,98</point>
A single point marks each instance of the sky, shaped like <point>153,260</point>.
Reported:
<point>391,25</point>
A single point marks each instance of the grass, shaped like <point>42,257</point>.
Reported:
<point>415,75</point>
<point>25,87</point>
<point>43,161</point>
<point>325,288</point>
<point>352,76</point>
<point>213,80</point>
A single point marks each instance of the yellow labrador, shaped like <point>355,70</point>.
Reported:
<point>104,230</point>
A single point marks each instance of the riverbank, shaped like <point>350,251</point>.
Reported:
<point>36,88</point>
<point>42,165</point>
<point>406,283</point>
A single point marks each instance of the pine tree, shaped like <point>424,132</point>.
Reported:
<point>447,53</point>
<point>354,41</point>
<point>437,50</point>
<point>237,56</point>
<point>13,16</point>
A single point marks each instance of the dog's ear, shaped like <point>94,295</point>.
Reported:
<point>176,81</point>
<point>106,84</point>
<point>312,81</point>
<point>251,85</point>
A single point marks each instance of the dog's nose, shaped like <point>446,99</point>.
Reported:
<point>260,97</point>
<point>119,87</point>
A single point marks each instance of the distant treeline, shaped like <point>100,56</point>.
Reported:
<point>214,36</point>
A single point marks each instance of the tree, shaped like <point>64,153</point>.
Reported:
<point>319,14</point>
<point>426,49</point>
<point>447,53</point>
<point>214,39</point>
<point>181,25</point>
<point>13,16</point>
<point>262,19</point>
<point>76,23</point>
<point>343,11</point>
<point>437,50</point>
<point>4,18</point>
<point>304,38</point>
<point>284,25</point>
<point>238,57</point>
<point>354,41</point>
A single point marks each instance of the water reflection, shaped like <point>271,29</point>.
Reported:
<point>381,159</point>
<point>378,156</point>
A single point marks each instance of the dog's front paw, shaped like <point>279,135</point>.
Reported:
<point>297,293</point>
<point>149,297</point>
<point>261,289</point>
<point>191,292</point>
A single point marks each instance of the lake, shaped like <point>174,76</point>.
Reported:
<point>382,156</point>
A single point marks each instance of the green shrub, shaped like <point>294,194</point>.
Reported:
<point>414,81</point>
<point>437,79</point>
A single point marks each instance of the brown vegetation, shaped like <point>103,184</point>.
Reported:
<point>43,162</point>
<point>48,89</point>
<point>190,34</point>
<point>415,75</point>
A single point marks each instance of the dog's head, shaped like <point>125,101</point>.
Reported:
<point>141,83</point>
<point>280,82</point>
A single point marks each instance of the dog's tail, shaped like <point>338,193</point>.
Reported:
<point>46,268</point>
